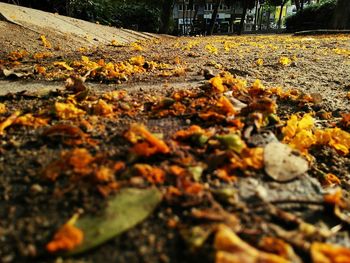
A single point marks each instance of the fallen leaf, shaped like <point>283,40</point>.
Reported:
<point>76,84</point>
<point>123,211</point>
<point>196,236</point>
<point>281,164</point>
<point>231,142</point>
<point>16,73</point>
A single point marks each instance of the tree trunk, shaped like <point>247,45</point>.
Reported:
<point>183,17</point>
<point>241,24</point>
<point>341,18</point>
<point>297,4</point>
<point>280,16</point>
<point>261,12</point>
<point>301,4</point>
<point>256,14</point>
<point>232,19</point>
<point>166,15</point>
<point>195,16</point>
<point>204,26</point>
<point>213,17</point>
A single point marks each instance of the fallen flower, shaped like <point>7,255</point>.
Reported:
<point>17,55</point>
<point>136,47</point>
<point>285,61</point>
<point>330,179</point>
<point>102,108</point>
<point>195,134</point>
<point>232,142</point>
<point>45,42</point>
<point>138,61</point>
<point>138,131</point>
<point>152,174</point>
<point>80,159</point>
<point>336,138</point>
<point>335,198</point>
<point>144,149</point>
<point>211,49</point>
<point>231,249</point>
<point>62,65</point>
<point>2,108</point>
<point>280,247</point>
<point>329,253</point>
<point>217,84</point>
<point>226,105</point>
<point>29,120</point>
<point>67,238</point>
<point>259,62</point>
<point>67,111</point>
<point>8,122</point>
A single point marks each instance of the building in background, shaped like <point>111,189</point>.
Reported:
<point>195,19</point>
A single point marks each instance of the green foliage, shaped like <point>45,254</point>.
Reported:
<point>317,16</point>
<point>142,15</point>
<point>138,16</point>
<point>101,11</point>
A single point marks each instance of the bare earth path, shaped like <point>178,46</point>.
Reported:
<point>186,117</point>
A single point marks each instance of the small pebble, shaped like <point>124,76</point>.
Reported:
<point>36,188</point>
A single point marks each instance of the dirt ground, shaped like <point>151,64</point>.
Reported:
<point>234,209</point>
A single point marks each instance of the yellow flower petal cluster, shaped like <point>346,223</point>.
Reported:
<point>285,61</point>
<point>211,49</point>
<point>300,134</point>
<point>67,110</point>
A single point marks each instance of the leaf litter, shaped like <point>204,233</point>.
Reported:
<point>232,173</point>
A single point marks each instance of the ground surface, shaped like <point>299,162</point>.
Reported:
<point>66,151</point>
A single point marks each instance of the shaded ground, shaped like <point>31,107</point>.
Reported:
<point>167,91</point>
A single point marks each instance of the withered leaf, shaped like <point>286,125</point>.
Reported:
<point>123,211</point>
<point>282,164</point>
<point>17,74</point>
